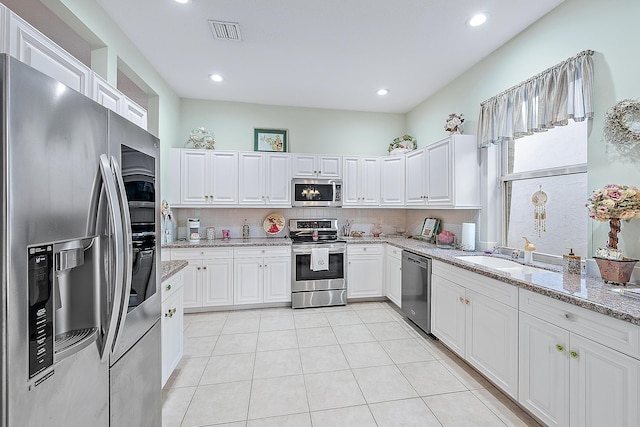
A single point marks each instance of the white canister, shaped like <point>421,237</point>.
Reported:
<point>211,233</point>
<point>193,225</point>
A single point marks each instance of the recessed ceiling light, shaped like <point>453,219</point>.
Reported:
<point>382,92</point>
<point>216,77</point>
<point>183,1</point>
<point>477,20</point>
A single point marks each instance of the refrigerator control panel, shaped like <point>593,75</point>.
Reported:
<point>41,309</point>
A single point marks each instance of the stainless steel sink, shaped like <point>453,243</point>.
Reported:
<point>502,264</point>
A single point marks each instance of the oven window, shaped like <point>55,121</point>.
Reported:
<point>304,272</point>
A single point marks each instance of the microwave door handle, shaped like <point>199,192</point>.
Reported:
<point>127,253</point>
<point>116,274</point>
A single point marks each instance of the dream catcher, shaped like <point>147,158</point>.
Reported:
<point>539,201</point>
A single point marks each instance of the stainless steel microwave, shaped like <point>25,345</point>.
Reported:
<point>316,192</point>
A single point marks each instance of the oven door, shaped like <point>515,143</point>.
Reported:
<point>303,278</point>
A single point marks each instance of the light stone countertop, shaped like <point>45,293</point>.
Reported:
<point>169,268</point>
<point>228,243</point>
<point>580,290</point>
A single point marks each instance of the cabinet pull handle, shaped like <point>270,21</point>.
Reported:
<point>569,316</point>
<point>204,268</point>
<point>168,287</point>
<point>461,299</point>
<point>199,268</point>
<point>466,301</point>
<point>206,197</point>
<point>560,348</point>
<point>574,354</point>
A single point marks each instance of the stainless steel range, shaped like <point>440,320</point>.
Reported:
<point>318,276</point>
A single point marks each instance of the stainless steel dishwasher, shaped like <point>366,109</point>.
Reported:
<point>416,289</point>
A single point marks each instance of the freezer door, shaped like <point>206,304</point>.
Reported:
<point>53,137</point>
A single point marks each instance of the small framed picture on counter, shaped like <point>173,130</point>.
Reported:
<point>274,140</point>
<point>429,228</point>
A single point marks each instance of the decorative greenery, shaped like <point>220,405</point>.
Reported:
<point>622,123</point>
<point>406,142</point>
<point>201,138</point>
<point>454,122</point>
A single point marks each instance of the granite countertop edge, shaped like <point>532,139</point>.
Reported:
<point>170,268</point>
<point>599,299</point>
<point>603,302</point>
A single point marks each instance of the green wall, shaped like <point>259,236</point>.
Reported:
<point>610,28</point>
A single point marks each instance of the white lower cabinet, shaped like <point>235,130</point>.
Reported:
<point>569,380</point>
<point>208,279</point>
<point>477,318</point>
<point>172,323</point>
<point>393,275</point>
<point>262,275</point>
<point>365,270</point>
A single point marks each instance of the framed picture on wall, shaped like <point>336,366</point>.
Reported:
<point>274,140</point>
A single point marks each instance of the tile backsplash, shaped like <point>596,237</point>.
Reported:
<point>393,221</point>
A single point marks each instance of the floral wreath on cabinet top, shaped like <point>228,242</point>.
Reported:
<point>402,144</point>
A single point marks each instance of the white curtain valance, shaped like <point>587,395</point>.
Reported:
<point>546,100</point>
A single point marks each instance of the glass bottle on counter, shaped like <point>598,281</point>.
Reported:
<point>245,230</point>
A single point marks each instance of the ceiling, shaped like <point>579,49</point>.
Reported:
<point>327,54</point>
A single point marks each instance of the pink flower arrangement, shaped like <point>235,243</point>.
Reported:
<point>614,202</point>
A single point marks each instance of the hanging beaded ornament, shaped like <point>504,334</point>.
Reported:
<point>539,200</point>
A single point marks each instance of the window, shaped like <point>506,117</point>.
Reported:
<point>554,162</point>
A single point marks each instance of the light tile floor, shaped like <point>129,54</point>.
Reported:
<point>354,366</point>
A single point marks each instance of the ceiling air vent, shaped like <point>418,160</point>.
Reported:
<point>225,30</point>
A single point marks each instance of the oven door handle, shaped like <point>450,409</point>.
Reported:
<point>307,251</point>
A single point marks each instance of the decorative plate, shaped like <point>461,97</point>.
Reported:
<point>273,223</point>
<point>539,198</point>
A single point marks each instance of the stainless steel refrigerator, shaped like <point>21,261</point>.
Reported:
<point>79,301</point>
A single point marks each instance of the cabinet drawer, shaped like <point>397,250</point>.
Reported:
<point>364,249</point>
<point>492,288</point>
<point>394,252</point>
<point>202,253</point>
<point>616,334</point>
<point>171,285</point>
<point>262,251</point>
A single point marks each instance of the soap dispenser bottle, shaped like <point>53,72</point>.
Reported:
<point>571,263</point>
<point>528,250</point>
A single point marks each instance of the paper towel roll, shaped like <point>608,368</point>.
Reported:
<point>468,236</point>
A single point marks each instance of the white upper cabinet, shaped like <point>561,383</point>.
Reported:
<point>265,179</point>
<point>33,48</point>
<point>392,181</point>
<point>317,166</point>
<point>361,185</point>
<point>3,28</point>
<point>208,177</point>
<point>106,95</point>
<point>444,174</point>
<point>134,113</point>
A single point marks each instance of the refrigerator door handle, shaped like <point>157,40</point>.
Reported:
<point>118,241</point>
<point>127,252</point>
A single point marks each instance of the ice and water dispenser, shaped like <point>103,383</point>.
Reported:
<point>64,301</point>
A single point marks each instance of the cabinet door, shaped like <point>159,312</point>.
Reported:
<point>277,279</point>
<point>172,334</point>
<point>544,370</point>
<point>492,340</point>
<point>370,181</point>
<point>194,188</point>
<point>329,166</point>
<point>392,181</point>
<point>252,179</point>
<point>34,49</point>
<point>604,385</point>
<point>439,174</point>
<point>224,178</point>
<point>248,281</point>
<point>415,183</point>
<point>394,280</point>
<point>278,179</point>
<point>192,288</point>
<point>304,166</point>
<point>217,282</point>
<point>364,276</point>
<point>106,95</point>
<point>134,113</point>
<point>448,313</point>
<point>350,188</point>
